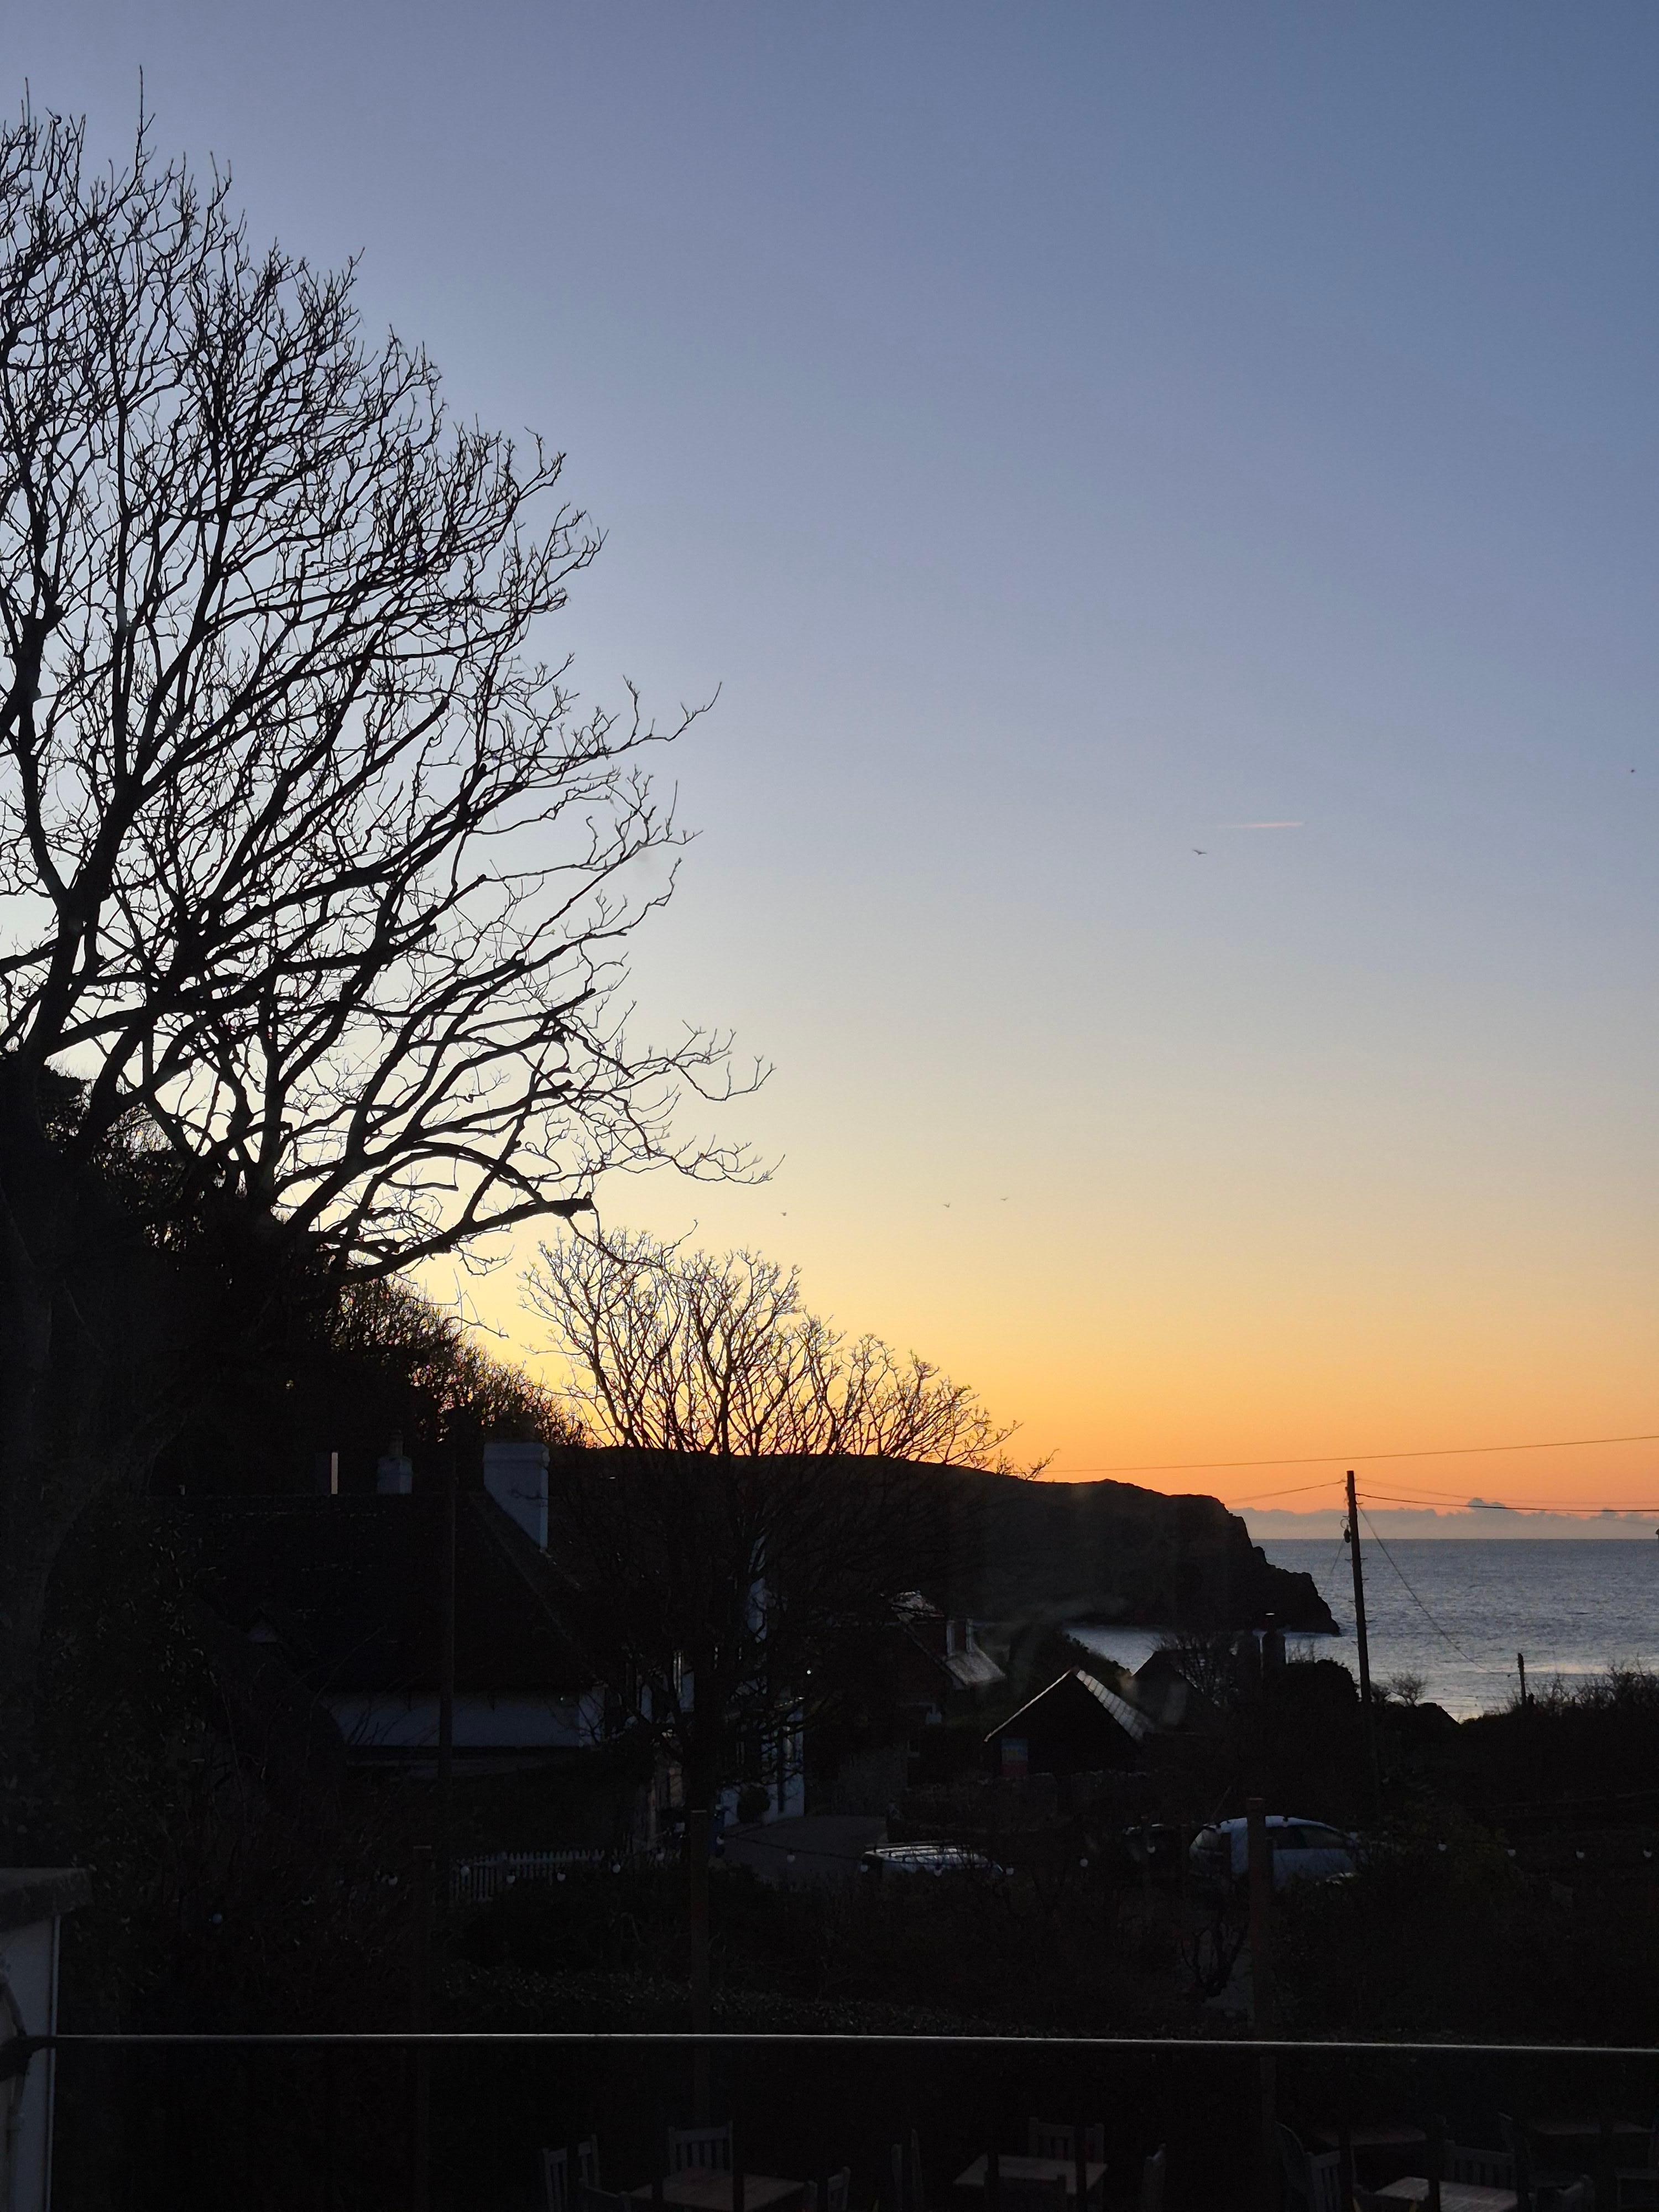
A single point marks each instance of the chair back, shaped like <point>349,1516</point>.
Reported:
<point>1058,2139</point>
<point>1473,2163</point>
<point>1151,2182</point>
<point>1024,2195</point>
<point>555,2180</point>
<point>587,2161</point>
<point>1294,2161</point>
<point>707,2149</point>
<point>917,2197</point>
<point>1520,2152</point>
<point>1325,2180</point>
<point>838,2188</point>
<point>1314,2177</point>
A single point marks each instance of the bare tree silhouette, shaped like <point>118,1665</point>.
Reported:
<point>680,1352</point>
<point>320,881</point>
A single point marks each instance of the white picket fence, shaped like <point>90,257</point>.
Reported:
<point>476,1880</point>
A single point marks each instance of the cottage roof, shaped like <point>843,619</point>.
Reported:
<point>351,1589</point>
<point>972,1670</point>
<point>32,1893</point>
<point>1065,1688</point>
<point>1129,1717</point>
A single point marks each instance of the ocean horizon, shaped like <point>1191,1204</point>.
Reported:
<point>1454,1611</point>
<point>1480,1520</point>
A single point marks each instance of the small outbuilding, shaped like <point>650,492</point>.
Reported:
<point>1076,1726</point>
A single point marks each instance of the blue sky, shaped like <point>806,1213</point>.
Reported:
<point>1067,433</point>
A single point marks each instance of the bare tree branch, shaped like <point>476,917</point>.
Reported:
<point>317,878</point>
<point>331,875</point>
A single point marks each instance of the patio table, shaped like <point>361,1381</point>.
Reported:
<point>696,2189</point>
<point>1412,2190</point>
<point>1580,2131</point>
<point>1380,2147</point>
<point>1012,2168</point>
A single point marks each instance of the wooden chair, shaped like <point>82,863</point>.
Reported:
<point>555,2180</point>
<point>917,2199</point>
<point>1555,2191</point>
<point>838,2188</point>
<point>706,2149</point>
<point>587,2161</point>
<point>1486,2169</point>
<point>1151,2182</point>
<point>1053,2139</point>
<point>604,2200</point>
<point>1315,2178</point>
<point>1639,2186</point>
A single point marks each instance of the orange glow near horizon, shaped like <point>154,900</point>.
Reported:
<point>1174,1362</point>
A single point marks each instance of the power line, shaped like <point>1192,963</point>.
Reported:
<point>1417,1601</point>
<point>1330,1574</point>
<point>1583,1509</point>
<point>1433,1500</point>
<point>1300,1490</point>
<point>1322,1459</point>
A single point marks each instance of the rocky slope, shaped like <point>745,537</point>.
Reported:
<point>1110,1552</point>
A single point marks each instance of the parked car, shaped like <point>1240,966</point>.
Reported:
<point>926,1858</point>
<point>1303,1850</point>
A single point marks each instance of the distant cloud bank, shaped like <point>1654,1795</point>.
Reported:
<point>1481,1516</point>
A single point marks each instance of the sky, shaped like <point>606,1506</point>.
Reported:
<point>1167,497</point>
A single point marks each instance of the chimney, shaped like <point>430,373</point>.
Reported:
<point>515,1475</point>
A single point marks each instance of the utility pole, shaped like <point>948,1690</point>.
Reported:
<point>702,2020</point>
<point>447,1687</point>
<point>1364,1645</point>
<point>420,2019</point>
<point>1259,1864</point>
<point>1260,1870</point>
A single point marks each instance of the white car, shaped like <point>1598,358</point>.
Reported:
<point>1303,1850</point>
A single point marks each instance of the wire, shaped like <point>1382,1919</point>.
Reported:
<point>1579,1505</point>
<point>1300,1490</point>
<point>1417,1601</point>
<point>1327,1593</point>
<point>1319,1459</point>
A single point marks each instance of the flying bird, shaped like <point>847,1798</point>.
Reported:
<point>1201,850</point>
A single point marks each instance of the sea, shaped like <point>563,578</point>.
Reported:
<point>1456,1610</point>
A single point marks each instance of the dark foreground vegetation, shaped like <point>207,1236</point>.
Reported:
<point>1508,1891</point>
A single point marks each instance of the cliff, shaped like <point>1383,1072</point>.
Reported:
<point>996,1547</point>
<point>1109,1552</point>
